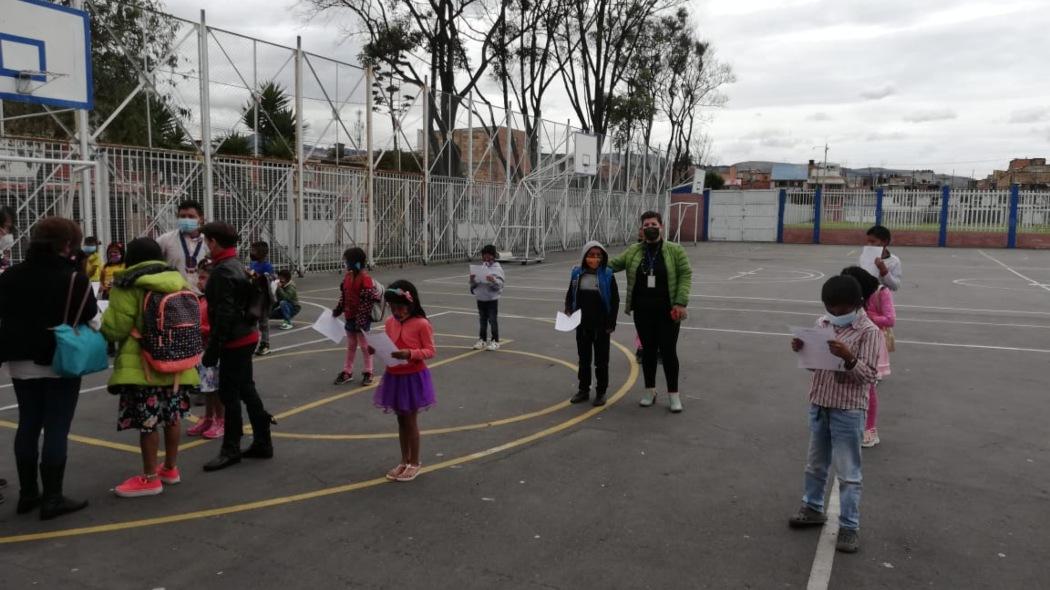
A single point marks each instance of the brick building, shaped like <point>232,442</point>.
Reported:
<point>489,149</point>
<point>1030,173</point>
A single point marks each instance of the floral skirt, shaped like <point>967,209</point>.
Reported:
<point>147,408</point>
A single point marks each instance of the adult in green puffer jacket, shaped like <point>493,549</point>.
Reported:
<point>147,402</point>
<point>659,279</point>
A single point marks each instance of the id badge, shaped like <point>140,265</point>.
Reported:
<point>650,281</point>
<point>191,264</point>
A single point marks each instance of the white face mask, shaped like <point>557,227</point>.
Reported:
<point>6,242</point>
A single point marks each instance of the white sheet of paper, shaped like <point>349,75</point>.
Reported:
<point>330,326</point>
<point>567,323</point>
<point>815,353</point>
<point>95,286</point>
<point>384,348</point>
<point>480,271</point>
<point>103,305</point>
<point>868,257</point>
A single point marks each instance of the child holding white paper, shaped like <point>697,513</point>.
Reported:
<point>487,291</point>
<point>838,401</point>
<point>593,291</point>
<point>888,264</point>
<point>407,388</point>
<point>356,296</point>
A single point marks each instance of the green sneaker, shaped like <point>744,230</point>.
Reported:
<point>648,398</point>
<point>675,402</point>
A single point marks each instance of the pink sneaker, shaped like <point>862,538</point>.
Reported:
<point>139,485</point>
<point>168,477</point>
<point>199,428</point>
<point>216,430</point>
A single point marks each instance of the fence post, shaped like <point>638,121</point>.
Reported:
<point>1015,200</point>
<point>426,172</point>
<point>781,206</point>
<point>707,212</point>
<point>879,195</point>
<point>370,170</point>
<point>300,181</point>
<point>205,90</point>
<point>817,197</point>
<point>942,237</point>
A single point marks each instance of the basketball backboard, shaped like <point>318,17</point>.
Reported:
<point>45,54</point>
<point>586,161</point>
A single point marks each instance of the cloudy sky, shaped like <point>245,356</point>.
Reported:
<point>944,84</point>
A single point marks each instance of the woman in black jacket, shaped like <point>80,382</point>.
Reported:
<point>33,299</point>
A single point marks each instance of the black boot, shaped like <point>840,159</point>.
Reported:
<point>262,443</point>
<point>53,504</point>
<point>581,396</point>
<point>228,455</point>
<point>599,398</point>
<point>29,491</point>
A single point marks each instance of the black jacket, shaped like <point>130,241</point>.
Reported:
<point>33,299</point>
<point>228,293</point>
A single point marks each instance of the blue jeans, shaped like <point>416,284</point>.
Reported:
<point>284,310</point>
<point>487,316</point>
<point>834,439</point>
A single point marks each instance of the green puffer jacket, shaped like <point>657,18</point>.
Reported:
<point>125,312</point>
<point>679,273</point>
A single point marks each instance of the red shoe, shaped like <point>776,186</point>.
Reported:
<point>139,485</point>
<point>217,429</point>
<point>199,428</point>
<point>168,476</point>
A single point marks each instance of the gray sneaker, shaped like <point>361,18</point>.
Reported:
<point>849,540</point>
<point>806,517</point>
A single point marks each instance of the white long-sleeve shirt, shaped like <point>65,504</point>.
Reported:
<point>893,277</point>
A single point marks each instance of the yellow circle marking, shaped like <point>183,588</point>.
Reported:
<point>236,508</point>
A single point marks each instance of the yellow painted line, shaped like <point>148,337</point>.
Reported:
<point>236,508</point>
<point>450,429</point>
<point>98,442</point>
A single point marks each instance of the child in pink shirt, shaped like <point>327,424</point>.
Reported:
<point>878,304</point>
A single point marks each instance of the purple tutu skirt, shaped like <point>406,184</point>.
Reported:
<point>405,394</point>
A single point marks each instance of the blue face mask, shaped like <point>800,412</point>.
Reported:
<point>90,249</point>
<point>353,266</point>
<point>843,320</point>
<point>188,226</point>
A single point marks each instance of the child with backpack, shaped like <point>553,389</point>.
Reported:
<point>592,289</point>
<point>358,295</point>
<point>155,318</point>
<point>261,272</point>
<point>487,291</point>
<point>213,425</point>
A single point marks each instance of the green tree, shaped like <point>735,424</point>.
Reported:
<point>713,180</point>
<point>276,133</point>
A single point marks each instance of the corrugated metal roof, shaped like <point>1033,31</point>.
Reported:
<point>790,172</point>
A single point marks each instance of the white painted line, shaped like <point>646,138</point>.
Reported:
<point>8,407</point>
<point>820,573</point>
<point>1032,282</point>
<point>744,274</point>
<point>850,253</point>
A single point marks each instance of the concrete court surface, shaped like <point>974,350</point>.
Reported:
<point>526,491</point>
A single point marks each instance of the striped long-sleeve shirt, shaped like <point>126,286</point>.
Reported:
<point>848,390</point>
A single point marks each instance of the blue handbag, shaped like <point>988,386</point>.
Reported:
<point>79,350</point>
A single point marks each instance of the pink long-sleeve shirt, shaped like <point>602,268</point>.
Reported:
<point>415,335</point>
<point>880,308</point>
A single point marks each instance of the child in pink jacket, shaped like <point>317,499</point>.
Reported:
<point>878,304</point>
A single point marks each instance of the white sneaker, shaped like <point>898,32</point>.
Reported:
<point>479,345</point>
<point>493,345</point>
<point>648,398</point>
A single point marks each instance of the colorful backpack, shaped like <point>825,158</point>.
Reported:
<point>171,332</point>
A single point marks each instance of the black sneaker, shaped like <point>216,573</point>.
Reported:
<point>599,398</point>
<point>580,397</point>
<point>806,517</point>
<point>263,350</point>
<point>849,540</point>
<point>367,379</point>
<point>344,377</point>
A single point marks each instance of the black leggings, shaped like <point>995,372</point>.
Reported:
<point>659,336</point>
<point>487,315</point>
<point>48,405</point>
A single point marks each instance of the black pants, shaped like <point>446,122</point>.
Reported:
<point>48,405</point>
<point>593,346</point>
<point>487,312</point>
<point>659,336</point>
<point>236,385</point>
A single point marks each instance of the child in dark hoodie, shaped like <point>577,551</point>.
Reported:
<point>592,289</point>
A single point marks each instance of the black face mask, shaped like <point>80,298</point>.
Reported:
<point>651,233</point>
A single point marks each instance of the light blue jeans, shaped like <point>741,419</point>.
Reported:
<point>834,440</point>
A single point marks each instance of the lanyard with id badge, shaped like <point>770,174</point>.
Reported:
<point>191,260</point>
<point>650,263</point>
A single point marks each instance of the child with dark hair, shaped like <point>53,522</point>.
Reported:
<point>94,258</point>
<point>878,304</point>
<point>889,265</point>
<point>407,388</point>
<point>261,272</point>
<point>114,264</point>
<point>838,403</point>
<point>487,292</point>
<point>213,425</point>
<point>357,294</point>
<point>593,291</point>
<point>287,305</point>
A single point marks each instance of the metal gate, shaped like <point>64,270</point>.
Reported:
<point>743,216</point>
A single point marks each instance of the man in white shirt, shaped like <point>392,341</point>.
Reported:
<point>184,247</point>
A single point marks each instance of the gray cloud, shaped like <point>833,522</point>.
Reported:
<point>890,136</point>
<point>821,116</point>
<point>927,115</point>
<point>1032,115</point>
<point>878,93</point>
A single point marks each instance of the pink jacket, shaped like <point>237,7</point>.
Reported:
<point>417,336</point>
<point>880,308</point>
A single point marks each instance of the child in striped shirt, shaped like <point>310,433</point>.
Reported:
<point>838,404</point>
